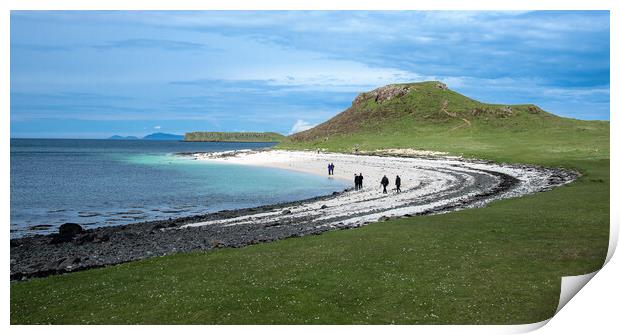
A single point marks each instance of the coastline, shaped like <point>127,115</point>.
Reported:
<point>434,184</point>
<point>430,182</point>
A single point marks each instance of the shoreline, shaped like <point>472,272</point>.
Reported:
<point>440,185</point>
<point>428,182</point>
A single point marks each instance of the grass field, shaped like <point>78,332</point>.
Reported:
<point>496,265</point>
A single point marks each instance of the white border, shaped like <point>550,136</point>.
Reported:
<point>594,309</point>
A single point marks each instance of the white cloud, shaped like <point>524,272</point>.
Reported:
<point>300,125</point>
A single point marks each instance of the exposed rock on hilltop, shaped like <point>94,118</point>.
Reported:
<point>534,109</point>
<point>383,93</point>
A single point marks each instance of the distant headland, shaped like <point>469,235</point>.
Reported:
<point>209,136</point>
<point>216,136</point>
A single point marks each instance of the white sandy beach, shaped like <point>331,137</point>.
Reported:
<point>428,185</point>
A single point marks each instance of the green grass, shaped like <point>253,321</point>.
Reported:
<point>501,264</point>
<point>555,145</point>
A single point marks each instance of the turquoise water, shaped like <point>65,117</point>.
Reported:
<point>102,182</point>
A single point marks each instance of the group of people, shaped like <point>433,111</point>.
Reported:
<point>359,180</point>
<point>385,182</point>
<point>330,169</point>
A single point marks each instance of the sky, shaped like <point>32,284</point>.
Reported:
<point>94,74</point>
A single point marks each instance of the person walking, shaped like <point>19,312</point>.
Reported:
<point>329,169</point>
<point>357,182</point>
<point>332,168</point>
<point>397,182</point>
<point>361,181</point>
<point>385,182</point>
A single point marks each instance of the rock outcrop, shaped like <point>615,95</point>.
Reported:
<point>66,233</point>
<point>383,93</point>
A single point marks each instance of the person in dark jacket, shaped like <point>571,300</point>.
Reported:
<point>357,182</point>
<point>361,179</point>
<point>385,182</point>
<point>397,182</point>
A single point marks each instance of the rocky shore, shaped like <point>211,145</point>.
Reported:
<point>44,255</point>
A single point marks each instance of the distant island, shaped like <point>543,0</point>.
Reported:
<point>163,136</point>
<point>214,136</point>
<point>118,137</point>
<point>154,136</point>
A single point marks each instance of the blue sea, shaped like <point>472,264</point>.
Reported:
<point>114,182</point>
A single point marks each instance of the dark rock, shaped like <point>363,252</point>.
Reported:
<point>324,206</point>
<point>50,266</point>
<point>92,237</point>
<point>162,225</point>
<point>130,235</point>
<point>70,229</point>
<point>84,238</point>
<point>66,233</point>
<point>384,218</point>
<point>286,211</point>
<point>68,263</point>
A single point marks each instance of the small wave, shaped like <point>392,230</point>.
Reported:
<point>130,212</point>
<point>88,214</point>
<point>172,211</point>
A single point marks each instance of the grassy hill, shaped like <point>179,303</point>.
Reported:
<point>501,264</point>
<point>430,116</point>
<point>215,136</point>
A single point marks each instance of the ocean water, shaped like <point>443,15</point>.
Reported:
<point>104,182</point>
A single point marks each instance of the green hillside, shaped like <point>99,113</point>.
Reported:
<point>430,116</point>
<point>216,136</point>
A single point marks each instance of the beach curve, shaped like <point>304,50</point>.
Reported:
<point>431,184</point>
